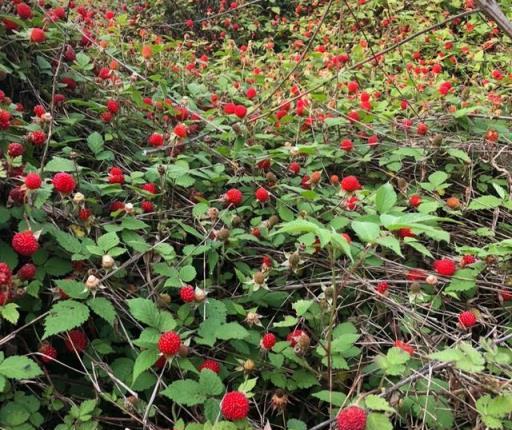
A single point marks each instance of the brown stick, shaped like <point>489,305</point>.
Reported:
<point>491,9</point>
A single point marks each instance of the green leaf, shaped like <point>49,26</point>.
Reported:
<point>103,308</point>
<point>367,232</point>
<point>210,383</point>
<point>74,289</point>
<point>65,315</point>
<point>248,385</point>
<point>464,280</point>
<point>19,367</point>
<point>14,414</point>
<point>376,421</point>
<point>232,330</point>
<point>58,164</point>
<point>68,242</point>
<point>10,312</point>
<point>187,273</point>
<point>377,403</point>
<point>464,356</point>
<point>95,142</point>
<point>185,392</point>
<point>57,266</point>
<point>392,243</point>
<point>145,311</point>
<point>302,306</point>
<point>108,241</point>
<point>385,198</point>
<point>332,397</point>
<point>294,424</point>
<point>484,202</point>
<point>144,361</point>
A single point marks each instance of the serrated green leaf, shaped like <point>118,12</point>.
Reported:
<point>367,232</point>
<point>210,383</point>
<point>108,241</point>
<point>385,198</point>
<point>103,308</point>
<point>72,288</point>
<point>145,311</point>
<point>10,312</point>
<point>144,361</point>
<point>19,367</point>
<point>377,403</point>
<point>376,421</point>
<point>186,392</point>
<point>65,315</point>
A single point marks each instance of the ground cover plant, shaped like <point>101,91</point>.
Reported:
<point>255,214</point>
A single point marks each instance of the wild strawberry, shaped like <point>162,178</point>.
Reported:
<point>37,137</point>
<point>76,340</point>
<point>156,139</point>
<point>15,149</point>
<point>147,206</point>
<point>415,200</point>
<point>373,140</point>
<point>104,73</point>
<point>33,181</point>
<point>294,336</point>
<point>346,145</point>
<point>264,164</point>
<point>187,294</point>
<point>234,406</point>
<point>5,274</point>
<point>382,287</point>
<point>169,343</point>
<point>353,116</point>
<point>422,129</point>
<point>444,88</point>
<point>251,93</point>
<point>467,319</point>
<point>180,130</point>
<point>404,346</point>
<point>25,243</point>
<point>24,11</point>
<point>5,119</point>
<point>352,86</point>
<point>351,203</point>
<point>49,353</point>
<point>37,35</point>
<point>268,341</point>
<point>240,111</point>
<point>350,184</point>
<point>229,108</point>
<point>115,176</point>
<point>351,418</point>
<point>39,110</point>
<point>405,232</point>
<point>467,260</point>
<point>113,106</point>
<point>27,272</point>
<point>262,195</point>
<point>294,168</point>
<point>84,214</point>
<point>233,197</point>
<point>210,364</point>
<point>64,182</point>
<point>445,267</point>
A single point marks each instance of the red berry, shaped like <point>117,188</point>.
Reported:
<point>211,365</point>
<point>37,35</point>
<point>169,343</point>
<point>113,106</point>
<point>27,271</point>
<point>180,130</point>
<point>346,145</point>
<point>467,319</point>
<point>235,406</point>
<point>422,129</point>
<point>415,200</point>
<point>49,353</point>
<point>294,336</point>
<point>350,183</point>
<point>5,274</point>
<point>15,149</point>
<point>405,232</point>
<point>39,110</point>
<point>156,139</point>
<point>351,418</point>
<point>251,93</point>
<point>445,267</point>
<point>382,287</point>
<point>33,181</point>
<point>262,195</point>
<point>467,260</point>
<point>233,197</point>
<point>268,341</point>
<point>25,243</point>
<point>150,188</point>
<point>187,294</point>
<point>240,111</point>
<point>76,340</point>
<point>352,86</point>
<point>147,206</point>
<point>24,11</point>
<point>64,182</point>
<point>404,346</point>
<point>104,73</point>
<point>84,214</point>
<point>37,138</point>
<point>294,168</point>
<point>229,108</point>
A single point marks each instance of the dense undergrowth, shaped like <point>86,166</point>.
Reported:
<point>256,214</point>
